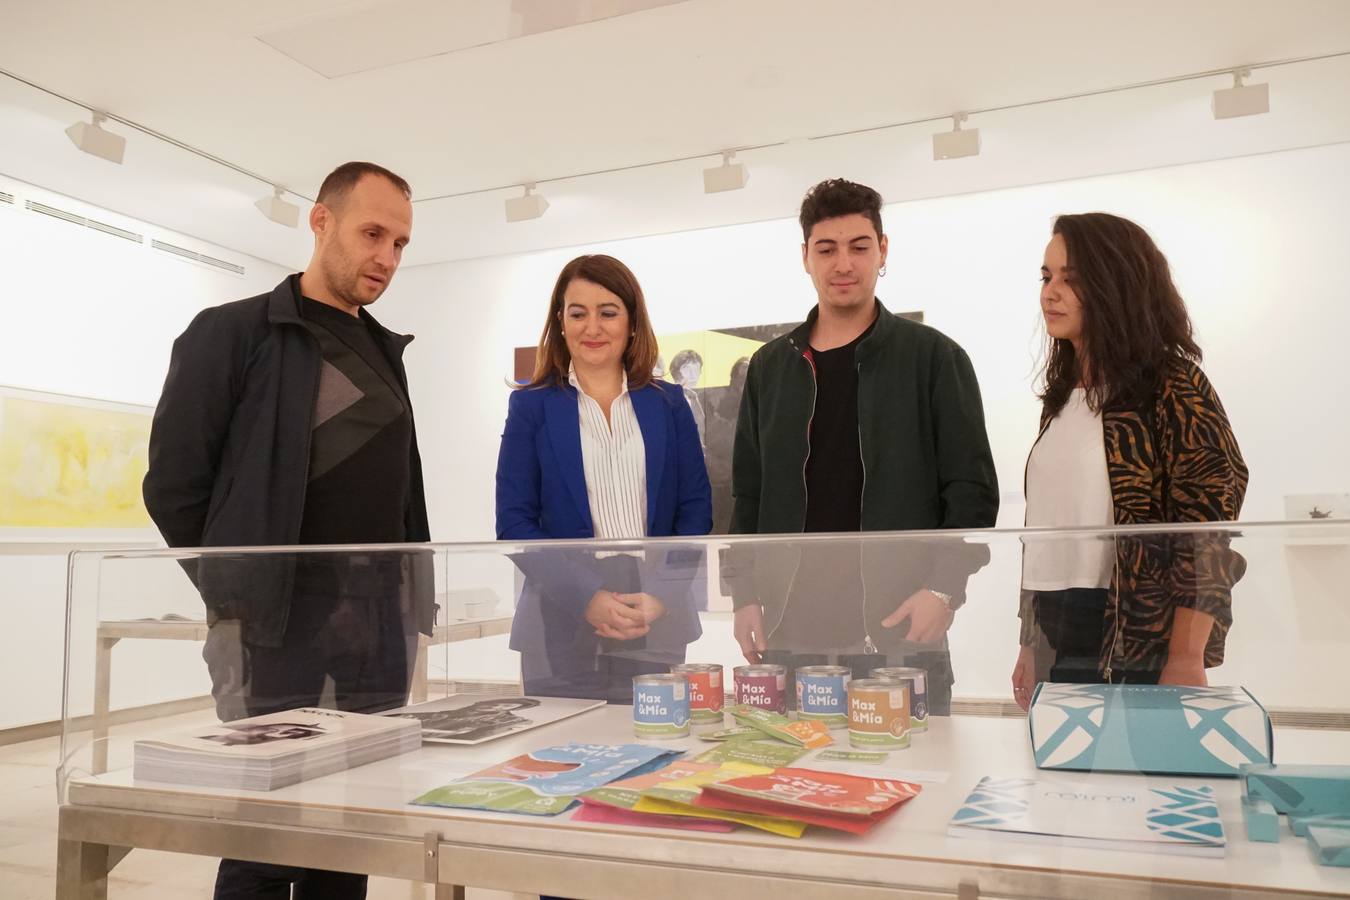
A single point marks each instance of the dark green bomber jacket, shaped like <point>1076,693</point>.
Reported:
<point>926,457</point>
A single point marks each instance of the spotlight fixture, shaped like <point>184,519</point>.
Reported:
<point>1241,99</point>
<point>957,142</point>
<point>278,210</point>
<point>529,206</point>
<point>728,176</point>
<point>92,139</point>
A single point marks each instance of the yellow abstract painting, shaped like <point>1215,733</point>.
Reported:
<point>67,463</point>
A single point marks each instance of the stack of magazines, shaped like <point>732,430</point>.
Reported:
<point>268,752</point>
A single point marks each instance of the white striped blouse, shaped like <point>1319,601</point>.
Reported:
<point>614,460</point>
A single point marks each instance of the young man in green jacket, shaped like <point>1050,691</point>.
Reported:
<point>858,420</point>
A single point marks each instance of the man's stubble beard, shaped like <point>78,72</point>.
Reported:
<point>341,280</point>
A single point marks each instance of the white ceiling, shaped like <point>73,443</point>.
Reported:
<point>678,80</point>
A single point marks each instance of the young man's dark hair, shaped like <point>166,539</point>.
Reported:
<point>837,197</point>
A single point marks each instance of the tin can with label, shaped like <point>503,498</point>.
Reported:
<point>705,693</point>
<point>660,707</point>
<point>918,692</point>
<point>878,714</point>
<point>822,694</point>
<point>763,687</point>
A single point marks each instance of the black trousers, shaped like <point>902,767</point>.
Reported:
<point>367,647</point>
<point>1074,624</point>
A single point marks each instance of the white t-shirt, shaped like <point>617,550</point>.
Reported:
<point>1068,487</point>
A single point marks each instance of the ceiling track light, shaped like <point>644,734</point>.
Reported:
<point>1241,99</point>
<point>279,210</point>
<point>958,142</point>
<point>729,176</point>
<point>92,139</point>
<point>529,206</point>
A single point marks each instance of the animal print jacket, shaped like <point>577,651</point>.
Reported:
<point>1176,462</point>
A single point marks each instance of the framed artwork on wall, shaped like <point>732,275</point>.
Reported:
<point>71,467</point>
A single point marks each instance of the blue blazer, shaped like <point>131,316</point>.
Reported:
<point>541,485</point>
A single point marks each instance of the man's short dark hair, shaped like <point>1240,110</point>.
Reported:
<point>341,180</point>
<point>837,197</point>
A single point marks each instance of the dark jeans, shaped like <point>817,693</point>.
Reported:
<point>365,646</point>
<point>1074,623</point>
<point>257,881</point>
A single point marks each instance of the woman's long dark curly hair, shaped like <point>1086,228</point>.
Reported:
<point>1134,320</point>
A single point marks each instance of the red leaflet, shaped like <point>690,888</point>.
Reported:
<point>829,799</point>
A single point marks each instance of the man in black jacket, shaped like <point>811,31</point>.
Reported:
<point>285,419</point>
<point>858,420</point>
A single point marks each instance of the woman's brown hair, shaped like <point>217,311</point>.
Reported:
<point>1134,320</point>
<point>552,359</point>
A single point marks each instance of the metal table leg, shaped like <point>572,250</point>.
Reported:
<point>102,692</point>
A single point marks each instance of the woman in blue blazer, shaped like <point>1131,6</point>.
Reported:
<point>594,447</point>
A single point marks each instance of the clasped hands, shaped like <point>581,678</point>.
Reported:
<point>928,617</point>
<point>623,617</point>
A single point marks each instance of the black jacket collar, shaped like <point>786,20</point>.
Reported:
<point>800,337</point>
<point>283,308</point>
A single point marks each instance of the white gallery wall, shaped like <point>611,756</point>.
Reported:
<point>93,315</point>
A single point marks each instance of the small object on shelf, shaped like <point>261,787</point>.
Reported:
<point>767,752</point>
<point>1149,729</point>
<point>660,707</point>
<point>822,694</point>
<point>763,686</point>
<point>1261,820</point>
<point>706,694</point>
<point>1300,822</point>
<point>878,714</point>
<point>918,692</point>
<point>1330,846</point>
<point>739,732</point>
<point>802,733</point>
<point>851,756</point>
<point>1301,789</point>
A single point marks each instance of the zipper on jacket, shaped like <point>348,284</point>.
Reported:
<point>868,645</point>
<point>309,443</point>
<point>805,493</point>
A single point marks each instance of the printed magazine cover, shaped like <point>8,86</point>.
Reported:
<point>1116,816</point>
<point>475,719</point>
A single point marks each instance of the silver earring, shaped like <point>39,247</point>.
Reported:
<point>882,273</point>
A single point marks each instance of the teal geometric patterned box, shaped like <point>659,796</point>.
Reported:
<point>1153,729</point>
<point>1301,790</point>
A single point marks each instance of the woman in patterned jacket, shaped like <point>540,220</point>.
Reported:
<point>1132,433</point>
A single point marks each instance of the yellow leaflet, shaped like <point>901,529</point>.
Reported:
<point>673,799</point>
<point>784,827</point>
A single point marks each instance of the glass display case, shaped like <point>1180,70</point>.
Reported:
<point>859,700</point>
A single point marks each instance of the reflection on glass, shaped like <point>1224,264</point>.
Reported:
<point>587,622</point>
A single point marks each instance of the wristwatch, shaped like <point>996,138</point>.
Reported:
<point>947,599</point>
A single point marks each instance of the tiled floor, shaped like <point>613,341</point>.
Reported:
<point>28,836</point>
